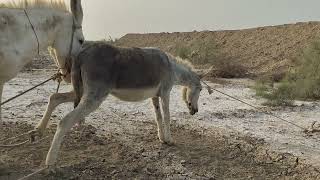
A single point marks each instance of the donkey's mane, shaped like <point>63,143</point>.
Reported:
<point>184,62</point>
<point>31,4</point>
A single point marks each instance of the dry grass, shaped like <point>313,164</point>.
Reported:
<point>206,53</point>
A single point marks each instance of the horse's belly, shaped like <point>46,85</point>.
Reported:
<point>12,62</point>
<point>9,69</point>
<point>135,95</point>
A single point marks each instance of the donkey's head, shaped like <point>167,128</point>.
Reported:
<point>191,93</point>
<point>69,37</point>
<point>190,96</point>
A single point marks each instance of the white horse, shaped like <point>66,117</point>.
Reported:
<point>34,25</point>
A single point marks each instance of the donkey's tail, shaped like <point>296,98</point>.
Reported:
<point>76,80</point>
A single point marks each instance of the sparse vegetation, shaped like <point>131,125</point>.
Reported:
<point>199,52</point>
<point>301,83</point>
<point>229,68</point>
<point>202,53</point>
<point>183,51</point>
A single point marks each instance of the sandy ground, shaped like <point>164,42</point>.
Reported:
<point>225,140</point>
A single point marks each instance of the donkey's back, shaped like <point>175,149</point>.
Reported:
<point>139,72</point>
<point>125,67</point>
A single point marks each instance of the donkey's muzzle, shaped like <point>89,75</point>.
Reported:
<point>193,111</point>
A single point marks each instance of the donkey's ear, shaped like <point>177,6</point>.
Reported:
<point>76,9</point>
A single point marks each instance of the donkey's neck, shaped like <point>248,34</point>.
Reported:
<point>184,76</point>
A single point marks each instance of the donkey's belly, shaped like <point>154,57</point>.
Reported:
<point>135,95</point>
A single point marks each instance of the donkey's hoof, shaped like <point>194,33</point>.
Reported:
<point>169,142</point>
<point>34,134</point>
<point>51,169</point>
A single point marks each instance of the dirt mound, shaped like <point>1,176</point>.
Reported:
<point>196,156</point>
<point>263,50</point>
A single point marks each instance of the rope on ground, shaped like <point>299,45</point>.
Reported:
<point>15,137</point>
<point>34,173</point>
<point>210,90</point>
<point>14,145</point>
<point>22,143</point>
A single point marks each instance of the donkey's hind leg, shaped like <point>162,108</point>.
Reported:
<point>54,100</point>
<point>156,106</point>
<point>87,105</point>
<point>166,118</point>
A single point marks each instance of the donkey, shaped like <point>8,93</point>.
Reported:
<point>130,74</point>
<point>30,27</point>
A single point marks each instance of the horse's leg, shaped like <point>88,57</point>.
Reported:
<point>166,118</point>
<point>54,100</point>
<point>1,89</point>
<point>156,106</point>
<point>87,105</point>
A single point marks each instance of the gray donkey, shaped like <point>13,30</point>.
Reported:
<point>130,74</point>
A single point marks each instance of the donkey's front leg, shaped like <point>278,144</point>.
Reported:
<point>156,106</point>
<point>166,118</point>
<point>85,107</point>
<point>54,100</point>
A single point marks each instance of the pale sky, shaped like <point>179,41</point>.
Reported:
<point>119,17</point>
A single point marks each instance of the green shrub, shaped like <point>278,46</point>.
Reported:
<point>301,83</point>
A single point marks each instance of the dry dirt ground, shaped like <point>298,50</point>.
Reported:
<point>225,140</point>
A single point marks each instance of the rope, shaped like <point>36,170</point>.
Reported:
<point>255,107</point>
<point>58,86</point>
<point>16,137</point>
<point>14,145</point>
<point>55,76</point>
<point>34,31</point>
<point>33,174</point>
<point>23,143</point>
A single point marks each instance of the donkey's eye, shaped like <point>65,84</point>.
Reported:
<point>189,104</point>
<point>81,41</point>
